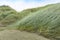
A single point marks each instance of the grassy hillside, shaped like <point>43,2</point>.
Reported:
<point>45,22</point>
<point>7,16</point>
<point>27,12</point>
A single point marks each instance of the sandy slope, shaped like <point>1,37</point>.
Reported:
<point>18,35</point>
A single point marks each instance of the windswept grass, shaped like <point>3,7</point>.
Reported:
<point>44,21</point>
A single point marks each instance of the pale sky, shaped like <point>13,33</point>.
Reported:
<point>20,5</point>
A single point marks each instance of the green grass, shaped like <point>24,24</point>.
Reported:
<point>45,22</point>
<point>42,20</point>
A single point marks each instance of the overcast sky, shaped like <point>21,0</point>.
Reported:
<point>25,4</point>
